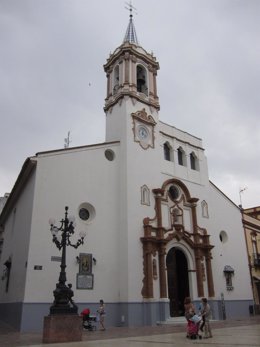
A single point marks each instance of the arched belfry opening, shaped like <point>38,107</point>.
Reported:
<point>177,280</point>
<point>116,79</point>
<point>141,79</point>
<point>175,223</point>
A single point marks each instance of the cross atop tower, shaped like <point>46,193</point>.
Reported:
<point>130,35</point>
<point>130,8</point>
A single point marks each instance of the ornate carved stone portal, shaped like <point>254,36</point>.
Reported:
<point>175,219</point>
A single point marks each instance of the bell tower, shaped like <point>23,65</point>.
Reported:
<point>131,82</point>
<point>131,107</point>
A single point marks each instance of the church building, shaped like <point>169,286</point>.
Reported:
<point>157,229</point>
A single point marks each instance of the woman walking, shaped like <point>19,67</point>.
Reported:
<point>206,313</point>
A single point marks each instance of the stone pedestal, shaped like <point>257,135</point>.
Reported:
<point>62,328</point>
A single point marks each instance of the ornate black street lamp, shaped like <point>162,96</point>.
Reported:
<point>63,303</point>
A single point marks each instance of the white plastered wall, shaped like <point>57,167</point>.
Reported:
<point>16,244</point>
<point>224,215</point>
<point>69,179</point>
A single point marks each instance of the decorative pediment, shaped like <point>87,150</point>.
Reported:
<point>144,117</point>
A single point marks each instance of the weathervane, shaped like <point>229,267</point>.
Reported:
<point>130,8</point>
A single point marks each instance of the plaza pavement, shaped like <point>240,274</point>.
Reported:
<point>229,333</point>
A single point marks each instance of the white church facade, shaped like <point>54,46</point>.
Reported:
<point>157,229</point>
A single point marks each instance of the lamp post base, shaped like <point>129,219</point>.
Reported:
<point>62,328</point>
<point>63,309</point>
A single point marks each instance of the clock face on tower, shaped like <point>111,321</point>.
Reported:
<point>143,132</point>
<point>143,129</point>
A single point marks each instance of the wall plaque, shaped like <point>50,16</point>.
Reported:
<point>55,258</point>
<point>85,281</point>
<point>37,267</point>
<point>85,263</point>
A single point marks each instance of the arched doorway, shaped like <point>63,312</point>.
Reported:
<point>178,280</point>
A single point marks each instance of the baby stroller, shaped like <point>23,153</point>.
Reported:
<point>193,327</point>
<point>88,320</point>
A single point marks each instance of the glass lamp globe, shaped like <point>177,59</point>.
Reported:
<point>82,234</point>
<point>52,221</point>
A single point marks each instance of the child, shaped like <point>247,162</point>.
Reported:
<point>188,308</point>
<point>101,312</point>
<point>206,312</point>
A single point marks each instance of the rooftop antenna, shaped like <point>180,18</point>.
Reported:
<point>67,140</point>
<point>241,190</point>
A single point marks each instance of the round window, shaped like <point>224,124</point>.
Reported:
<point>109,154</point>
<point>86,212</point>
<point>174,192</point>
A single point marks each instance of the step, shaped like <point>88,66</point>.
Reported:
<point>174,321</point>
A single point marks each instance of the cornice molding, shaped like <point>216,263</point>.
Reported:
<point>122,94</point>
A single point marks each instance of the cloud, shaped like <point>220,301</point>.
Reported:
<point>52,79</point>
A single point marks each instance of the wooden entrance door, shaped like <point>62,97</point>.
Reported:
<point>178,281</point>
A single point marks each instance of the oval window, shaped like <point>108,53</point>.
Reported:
<point>223,236</point>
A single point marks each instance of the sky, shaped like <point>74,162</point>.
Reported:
<point>52,80</point>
